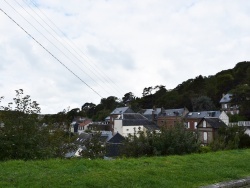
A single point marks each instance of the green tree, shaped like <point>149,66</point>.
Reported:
<point>89,109</point>
<point>147,91</point>
<point>128,97</point>
<point>19,138</point>
<point>94,147</point>
<point>225,83</point>
<point>203,103</point>
<point>24,136</point>
<point>229,138</point>
<point>241,97</point>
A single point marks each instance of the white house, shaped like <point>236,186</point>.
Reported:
<point>132,123</point>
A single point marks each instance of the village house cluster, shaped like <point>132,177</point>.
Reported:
<point>124,121</point>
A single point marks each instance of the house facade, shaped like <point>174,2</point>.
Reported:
<point>207,129</point>
<point>192,119</point>
<point>117,113</point>
<point>170,117</point>
<point>83,125</point>
<point>132,123</point>
<point>80,124</point>
<point>227,106</point>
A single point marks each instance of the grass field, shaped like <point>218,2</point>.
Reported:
<point>193,170</point>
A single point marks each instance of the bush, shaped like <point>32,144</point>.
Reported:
<point>169,141</point>
<point>205,149</point>
<point>230,138</point>
<point>23,137</point>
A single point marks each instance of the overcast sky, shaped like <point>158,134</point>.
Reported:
<point>83,50</point>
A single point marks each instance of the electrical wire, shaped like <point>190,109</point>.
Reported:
<point>106,78</point>
<point>79,60</point>
<point>55,46</point>
<point>49,52</point>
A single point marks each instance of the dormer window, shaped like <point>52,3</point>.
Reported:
<point>204,124</point>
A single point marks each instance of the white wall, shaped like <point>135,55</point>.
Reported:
<point>247,131</point>
<point>118,126</point>
<point>224,117</point>
<point>131,129</point>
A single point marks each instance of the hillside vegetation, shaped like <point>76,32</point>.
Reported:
<point>173,171</point>
<point>195,92</point>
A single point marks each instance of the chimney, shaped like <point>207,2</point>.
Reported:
<point>162,110</point>
<point>153,115</point>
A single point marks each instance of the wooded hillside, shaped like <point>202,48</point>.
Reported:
<point>196,94</point>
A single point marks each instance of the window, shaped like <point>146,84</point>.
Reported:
<point>195,125</point>
<point>188,125</point>
<point>204,123</point>
<point>205,137</point>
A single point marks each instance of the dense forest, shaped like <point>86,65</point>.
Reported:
<point>196,94</point>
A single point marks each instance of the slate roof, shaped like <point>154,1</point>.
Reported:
<point>203,114</point>
<point>132,119</point>
<point>173,112</point>
<point>104,138</point>
<point>148,113</point>
<point>133,116</point>
<point>114,145</point>
<point>214,122</point>
<point>131,122</point>
<point>117,138</point>
<point>82,137</point>
<point>122,110</point>
<point>226,98</point>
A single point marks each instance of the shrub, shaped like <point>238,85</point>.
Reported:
<point>169,141</point>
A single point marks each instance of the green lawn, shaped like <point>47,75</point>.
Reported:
<point>173,171</point>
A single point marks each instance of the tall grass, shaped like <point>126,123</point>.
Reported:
<point>172,171</point>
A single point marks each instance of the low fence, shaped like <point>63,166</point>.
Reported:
<point>240,123</point>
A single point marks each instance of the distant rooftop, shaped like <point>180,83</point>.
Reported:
<point>215,122</point>
<point>202,114</point>
<point>173,112</point>
<point>226,98</point>
<point>149,111</point>
<point>122,110</point>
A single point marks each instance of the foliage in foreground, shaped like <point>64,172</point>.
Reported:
<point>193,170</point>
<point>94,147</point>
<point>24,137</point>
<point>230,138</point>
<point>169,141</point>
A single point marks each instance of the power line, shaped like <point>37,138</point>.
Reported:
<point>49,52</point>
<point>53,43</point>
<point>107,79</point>
<point>57,39</point>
